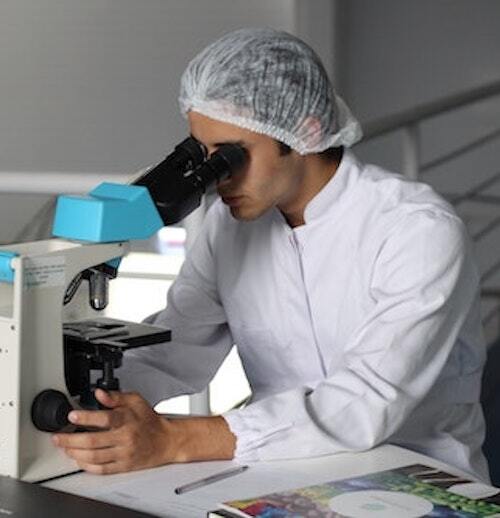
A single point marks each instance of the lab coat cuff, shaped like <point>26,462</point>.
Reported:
<point>251,434</point>
<point>245,449</point>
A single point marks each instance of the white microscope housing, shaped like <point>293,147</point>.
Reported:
<point>31,346</point>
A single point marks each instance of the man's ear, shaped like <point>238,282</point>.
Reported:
<point>310,131</point>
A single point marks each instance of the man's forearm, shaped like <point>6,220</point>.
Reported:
<point>199,438</point>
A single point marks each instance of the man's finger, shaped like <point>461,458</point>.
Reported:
<point>96,418</point>
<point>103,469</point>
<point>87,440</point>
<point>114,399</point>
<point>95,456</point>
<point>108,399</point>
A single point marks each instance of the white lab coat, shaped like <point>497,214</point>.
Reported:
<point>360,327</point>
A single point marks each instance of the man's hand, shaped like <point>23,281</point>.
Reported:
<point>133,436</point>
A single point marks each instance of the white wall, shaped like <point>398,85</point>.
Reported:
<point>92,86</point>
<point>399,53</point>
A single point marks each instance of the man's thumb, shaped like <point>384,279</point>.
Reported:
<point>108,399</point>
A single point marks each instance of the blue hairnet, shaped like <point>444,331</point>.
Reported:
<point>272,83</point>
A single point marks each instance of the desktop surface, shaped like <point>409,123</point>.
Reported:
<point>25,500</point>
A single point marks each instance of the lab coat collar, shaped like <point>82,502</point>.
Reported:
<point>329,200</point>
<point>336,191</point>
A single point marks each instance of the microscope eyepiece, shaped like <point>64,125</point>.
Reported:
<point>186,156</point>
<point>177,192</point>
<point>228,159</point>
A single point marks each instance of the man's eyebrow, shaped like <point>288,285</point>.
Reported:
<point>218,144</point>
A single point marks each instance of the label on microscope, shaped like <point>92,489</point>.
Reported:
<point>41,272</point>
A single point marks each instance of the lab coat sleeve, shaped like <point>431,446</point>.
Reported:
<point>423,282</point>
<point>200,336</point>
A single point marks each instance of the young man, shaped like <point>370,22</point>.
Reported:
<point>350,292</point>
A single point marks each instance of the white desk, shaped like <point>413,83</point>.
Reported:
<point>153,490</point>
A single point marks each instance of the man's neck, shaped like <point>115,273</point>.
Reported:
<point>318,172</point>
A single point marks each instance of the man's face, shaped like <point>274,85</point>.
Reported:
<point>268,178</point>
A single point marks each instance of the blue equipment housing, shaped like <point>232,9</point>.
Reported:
<point>109,213</point>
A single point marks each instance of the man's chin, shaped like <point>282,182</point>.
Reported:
<point>242,214</point>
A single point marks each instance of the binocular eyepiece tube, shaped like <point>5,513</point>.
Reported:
<point>178,183</point>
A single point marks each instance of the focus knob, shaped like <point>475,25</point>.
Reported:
<point>50,410</point>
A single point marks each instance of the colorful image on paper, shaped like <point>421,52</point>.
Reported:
<point>398,492</point>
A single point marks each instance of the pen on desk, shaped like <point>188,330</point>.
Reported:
<point>209,480</point>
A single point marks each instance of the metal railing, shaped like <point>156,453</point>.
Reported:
<point>408,121</point>
<point>55,182</point>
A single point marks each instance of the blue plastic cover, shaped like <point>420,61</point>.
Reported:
<point>111,212</point>
<point>6,271</point>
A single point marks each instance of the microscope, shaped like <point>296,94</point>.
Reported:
<point>54,350</point>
